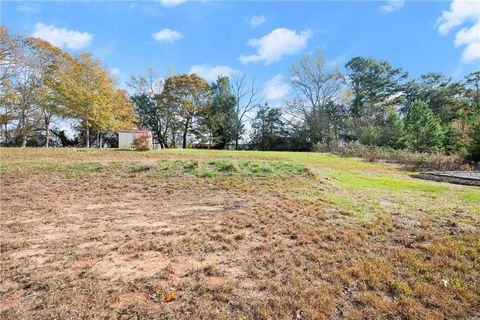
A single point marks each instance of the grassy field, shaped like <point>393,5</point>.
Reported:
<point>203,234</point>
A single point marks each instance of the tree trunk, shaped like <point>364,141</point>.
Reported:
<point>7,143</point>
<point>185,131</point>
<point>47,133</point>
<point>24,141</point>
<point>87,138</point>
<point>184,142</point>
<point>98,139</point>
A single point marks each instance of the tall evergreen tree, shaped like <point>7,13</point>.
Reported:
<point>222,118</point>
<point>375,85</point>
<point>474,135</point>
<point>393,131</point>
<point>424,131</point>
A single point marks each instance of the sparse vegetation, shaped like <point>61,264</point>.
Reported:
<point>417,161</point>
<point>230,234</point>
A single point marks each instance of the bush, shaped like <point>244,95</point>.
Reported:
<point>142,142</point>
<point>412,160</point>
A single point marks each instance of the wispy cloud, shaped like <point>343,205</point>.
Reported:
<point>62,37</point>
<point>392,5</point>
<point>115,71</point>
<point>277,44</point>
<point>167,35</point>
<point>29,8</point>
<point>257,20</point>
<point>461,13</point>
<point>171,3</point>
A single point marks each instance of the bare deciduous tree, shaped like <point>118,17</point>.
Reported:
<point>148,83</point>
<point>248,96</point>
<point>316,86</point>
<point>315,82</point>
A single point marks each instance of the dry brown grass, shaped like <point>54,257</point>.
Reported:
<point>113,239</point>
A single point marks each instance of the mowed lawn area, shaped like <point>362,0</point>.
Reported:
<point>204,234</point>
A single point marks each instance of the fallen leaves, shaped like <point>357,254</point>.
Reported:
<point>170,297</point>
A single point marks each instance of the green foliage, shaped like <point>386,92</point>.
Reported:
<point>438,92</point>
<point>451,139</point>
<point>393,131</point>
<point>473,80</point>
<point>268,129</point>
<point>221,117</point>
<point>371,136</point>
<point>156,116</point>
<point>375,84</point>
<point>474,135</point>
<point>189,98</point>
<point>424,131</point>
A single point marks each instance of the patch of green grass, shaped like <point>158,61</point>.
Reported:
<point>190,166</point>
<point>205,173</point>
<point>469,195</point>
<point>368,180</point>
<point>223,166</point>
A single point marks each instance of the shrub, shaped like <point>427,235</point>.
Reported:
<point>142,142</point>
<point>411,160</point>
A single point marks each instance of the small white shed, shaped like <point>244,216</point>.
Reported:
<point>126,137</point>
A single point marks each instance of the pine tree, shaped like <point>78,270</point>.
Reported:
<point>424,130</point>
<point>221,116</point>
<point>394,131</point>
<point>474,135</point>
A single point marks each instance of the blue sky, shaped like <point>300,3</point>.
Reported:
<point>260,39</point>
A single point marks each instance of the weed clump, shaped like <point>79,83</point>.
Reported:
<point>142,168</point>
<point>223,166</point>
<point>205,173</point>
<point>190,166</point>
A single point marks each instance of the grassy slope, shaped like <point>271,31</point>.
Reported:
<point>370,239</point>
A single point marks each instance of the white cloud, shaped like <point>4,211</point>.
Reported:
<point>115,71</point>
<point>212,73</point>
<point>256,21</point>
<point>460,13</point>
<point>276,88</point>
<point>167,35</point>
<point>278,43</point>
<point>29,8</point>
<point>471,53</point>
<point>171,3</point>
<point>392,5</point>
<point>468,35</point>
<point>62,37</point>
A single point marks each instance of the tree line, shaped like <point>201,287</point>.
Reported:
<point>369,101</point>
<point>41,83</point>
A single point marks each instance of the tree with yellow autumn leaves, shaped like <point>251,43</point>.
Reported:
<point>89,95</point>
<point>40,81</point>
